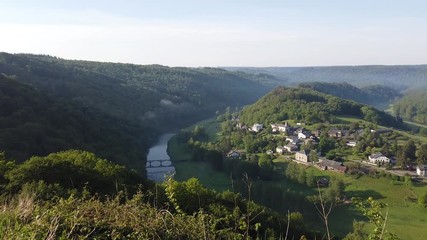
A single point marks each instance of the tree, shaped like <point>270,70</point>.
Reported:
<point>422,154</point>
<point>409,150</point>
<point>372,210</point>
<point>422,200</point>
<point>313,156</point>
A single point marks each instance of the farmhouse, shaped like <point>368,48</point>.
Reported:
<point>422,170</point>
<point>326,164</point>
<point>378,158</point>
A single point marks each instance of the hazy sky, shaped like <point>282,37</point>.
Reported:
<point>219,32</point>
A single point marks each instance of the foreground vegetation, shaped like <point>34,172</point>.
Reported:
<point>74,194</point>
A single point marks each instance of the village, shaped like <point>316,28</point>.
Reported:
<point>301,145</point>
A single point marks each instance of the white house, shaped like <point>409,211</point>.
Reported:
<point>302,156</point>
<point>351,143</point>
<point>280,150</point>
<point>303,135</point>
<point>422,170</point>
<point>257,127</point>
<point>378,158</point>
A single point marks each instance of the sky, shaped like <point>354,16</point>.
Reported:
<point>196,33</point>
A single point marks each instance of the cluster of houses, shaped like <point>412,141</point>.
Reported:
<point>296,136</point>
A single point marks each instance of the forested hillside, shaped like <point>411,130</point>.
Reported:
<point>34,123</point>
<point>398,76</point>
<point>309,106</point>
<point>412,107</point>
<point>115,110</point>
<point>375,95</point>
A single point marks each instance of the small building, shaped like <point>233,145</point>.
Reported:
<point>302,156</point>
<point>233,154</point>
<point>277,127</point>
<point>326,164</point>
<point>303,135</point>
<point>335,133</point>
<point>422,170</point>
<point>316,133</point>
<point>378,158</point>
<point>280,149</point>
<point>257,127</point>
<point>351,143</point>
<point>269,152</point>
<point>293,139</point>
<point>290,147</point>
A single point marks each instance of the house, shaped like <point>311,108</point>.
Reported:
<point>280,150</point>
<point>326,164</point>
<point>422,170</point>
<point>302,156</point>
<point>292,139</point>
<point>290,147</point>
<point>303,135</point>
<point>351,143</point>
<point>269,152</point>
<point>257,127</point>
<point>233,154</point>
<point>335,133</point>
<point>378,158</point>
<point>316,133</point>
<point>381,131</point>
<point>277,127</point>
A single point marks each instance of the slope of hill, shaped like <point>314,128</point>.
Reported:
<point>310,106</point>
<point>88,105</point>
<point>403,76</point>
<point>375,95</point>
<point>34,123</point>
<point>412,107</point>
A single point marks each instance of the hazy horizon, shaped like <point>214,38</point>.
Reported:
<point>221,33</point>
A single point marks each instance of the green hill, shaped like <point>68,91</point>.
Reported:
<point>412,107</point>
<point>310,106</point>
<point>397,76</point>
<point>34,123</point>
<point>378,96</point>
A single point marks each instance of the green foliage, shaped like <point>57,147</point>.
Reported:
<point>310,106</point>
<point>422,154</point>
<point>70,169</point>
<point>412,107</point>
<point>373,211</point>
<point>422,200</point>
<point>371,95</point>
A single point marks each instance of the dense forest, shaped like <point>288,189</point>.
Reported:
<point>115,110</point>
<point>34,123</point>
<point>399,76</point>
<point>375,95</point>
<point>309,106</point>
<point>412,107</point>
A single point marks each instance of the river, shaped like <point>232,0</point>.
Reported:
<point>158,161</point>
